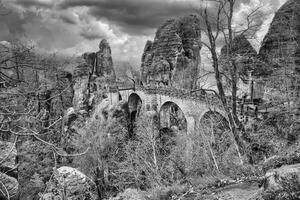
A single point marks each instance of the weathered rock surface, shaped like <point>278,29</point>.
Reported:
<point>247,61</point>
<point>242,191</point>
<point>240,46</point>
<point>173,57</point>
<point>281,44</point>
<point>278,161</point>
<point>70,184</point>
<point>81,94</point>
<point>283,183</point>
<point>8,154</point>
<point>62,94</point>
<point>129,194</point>
<point>10,187</point>
<point>8,182</point>
<point>99,63</point>
<point>245,56</point>
<point>82,70</point>
<point>93,73</point>
<point>90,58</point>
<point>104,66</point>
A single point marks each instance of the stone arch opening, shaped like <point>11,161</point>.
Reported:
<point>215,127</point>
<point>172,117</point>
<point>134,106</point>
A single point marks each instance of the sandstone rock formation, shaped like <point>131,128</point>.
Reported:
<point>99,63</point>
<point>283,183</point>
<point>94,71</point>
<point>70,184</point>
<point>129,194</point>
<point>173,57</point>
<point>281,45</point>
<point>10,185</point>
<point>248,64</point>
<point>104,66</point>
<point>244,53</point>
<point>8,154</point>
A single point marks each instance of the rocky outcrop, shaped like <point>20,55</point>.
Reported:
<point>129,194</point>
<point>8,154</point>
<point>244,54</point>
<point>62,95</point>
<point>281,45</point>
<point>241,46</point>
<point>99,64</point>
<point>104,66</point>
<point>70,184</point>
<point>9,186</point>
<point>173,57</point>
<point>248,65</point>
<point>8,173</point>
<point>283,183</point>
<point>94,72</point>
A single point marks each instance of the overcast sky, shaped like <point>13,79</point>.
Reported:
<point>77,26</point>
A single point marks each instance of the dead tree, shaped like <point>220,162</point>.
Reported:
<point>218,25</point>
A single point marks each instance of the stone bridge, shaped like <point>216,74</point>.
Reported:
<point>190,108</point>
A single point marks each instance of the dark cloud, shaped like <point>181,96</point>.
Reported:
<point>34,3</point>
<point>28,25</point>
<point>73,25</point>
<point>133,16</point>
<point>13,24</point>
<point>139,17</point>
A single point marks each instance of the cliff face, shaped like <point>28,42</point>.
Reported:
<point>93,72</point>
<point>281,45</point>
<point>174,55</point>
<point>244,53</point>
<point>97,64</point>
<point>104,66</point>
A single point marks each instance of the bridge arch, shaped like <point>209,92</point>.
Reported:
<point>134,106</point>
<point>172,116</point>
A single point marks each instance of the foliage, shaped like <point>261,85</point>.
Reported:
<point>106,136</point>
<point>290,187</point>
<point>31,109</point>
<point>276,134</point>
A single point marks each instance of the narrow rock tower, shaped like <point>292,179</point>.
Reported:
<point>281,45</point>
<point>173,57</point>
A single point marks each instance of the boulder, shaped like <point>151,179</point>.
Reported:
<point>283,183</point>
<point>70,184</point>
<point>8,154</point>
<point>173,58</point>
<point>129,194</point>
<point>274,162</point>
<point>10,186</point>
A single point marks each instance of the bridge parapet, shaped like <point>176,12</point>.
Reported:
<point>181,94</point>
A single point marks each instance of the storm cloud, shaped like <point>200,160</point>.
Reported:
<point>76,26</point>
<point>133,16</point>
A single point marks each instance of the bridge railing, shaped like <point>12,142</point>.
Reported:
<point>181,93</point>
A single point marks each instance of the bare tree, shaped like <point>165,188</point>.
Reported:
<point>26,93</point>
<point>219,25</point>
